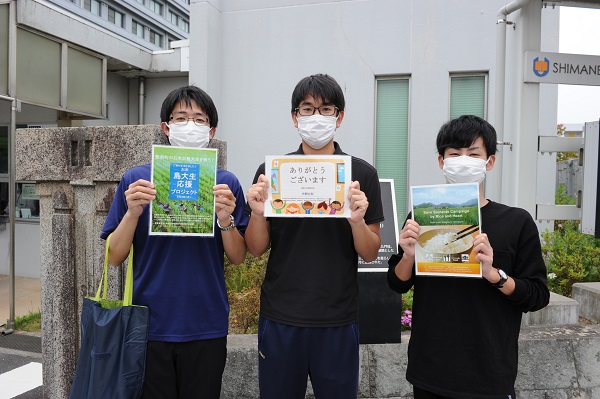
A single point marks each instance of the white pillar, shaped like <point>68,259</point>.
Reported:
<point>519,173</point>
<point>205,47</point>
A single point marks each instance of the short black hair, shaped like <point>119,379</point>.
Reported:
<point>186,95</point>
<point>321,87</point>
<point>463,131</point>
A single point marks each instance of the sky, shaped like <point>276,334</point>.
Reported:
<point>579,33</point>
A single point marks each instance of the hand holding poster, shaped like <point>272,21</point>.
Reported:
<point>183,179</point>
<point>449,218</point>
<point>308,186</point>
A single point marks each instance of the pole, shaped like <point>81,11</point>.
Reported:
<point>15,106</point>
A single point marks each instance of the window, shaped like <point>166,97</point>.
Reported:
<point>391,135</point>
<point>115,17</point>
<point>3,149</point>
<point>28,203</point>
<point>140,1</point>
<point>184,25</point>
<point>156,38</point>
<point>468,95</point>
<point>137,29</point>
<point>156,6</point>
<point>173,17</point>
<point>3,202</point>
<point>93,6</point>
<point>3,175</point>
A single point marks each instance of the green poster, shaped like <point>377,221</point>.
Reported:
<point>184,180</point>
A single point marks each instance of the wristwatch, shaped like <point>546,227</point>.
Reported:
<point>503,278</point>
<point>230,227</point>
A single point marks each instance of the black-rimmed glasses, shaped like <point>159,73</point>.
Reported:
<point>325,110</point>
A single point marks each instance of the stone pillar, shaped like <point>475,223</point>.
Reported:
<point>77,171</point>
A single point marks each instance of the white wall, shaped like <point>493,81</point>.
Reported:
<point>267,46</point>
<point>156,91</point>
<point>27,250</point>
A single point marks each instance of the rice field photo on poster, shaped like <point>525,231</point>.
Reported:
<point>184,180</point>
<point>449,218</point>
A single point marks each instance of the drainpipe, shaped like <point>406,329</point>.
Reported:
<point>501,24</point>
<point>142,98</point>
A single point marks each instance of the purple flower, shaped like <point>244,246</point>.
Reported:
<point>406,320</point>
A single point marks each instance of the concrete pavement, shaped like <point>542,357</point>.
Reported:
<point>27,297</point>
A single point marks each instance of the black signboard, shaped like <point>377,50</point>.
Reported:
<point>380,308</point>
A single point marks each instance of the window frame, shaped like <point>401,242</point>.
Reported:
<point>21,219</point>
<point>115,13</point>
<point>153,4</point>
<point>400,211</point>
<point>484,74</point>
<point>91,6</point>
<point>135,27</point>
<point>154,34</point>
<point>172,14</point>
<point>184,25</point>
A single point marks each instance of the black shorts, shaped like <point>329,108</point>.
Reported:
<point>178,370</point>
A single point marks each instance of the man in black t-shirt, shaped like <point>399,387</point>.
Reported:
<point>308,321</point>
<point>465,331</point>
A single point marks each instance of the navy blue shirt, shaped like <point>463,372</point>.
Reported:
<point>180,278</point>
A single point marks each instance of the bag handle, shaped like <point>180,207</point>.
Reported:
<point>128,294</point>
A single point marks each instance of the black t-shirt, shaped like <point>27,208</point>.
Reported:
<point>464,338</point>
<point>311,277</point>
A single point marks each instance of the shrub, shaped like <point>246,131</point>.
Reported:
<point>243,289</point>
<point>570,257</point>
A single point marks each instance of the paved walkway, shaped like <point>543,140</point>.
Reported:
<point>27,297</point>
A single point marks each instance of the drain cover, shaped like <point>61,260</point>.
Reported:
<point>21,342</point>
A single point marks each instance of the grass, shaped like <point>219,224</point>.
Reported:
<point>31,322</point>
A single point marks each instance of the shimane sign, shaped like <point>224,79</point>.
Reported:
<point>572,69</point>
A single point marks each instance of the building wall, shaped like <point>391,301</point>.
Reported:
<point>268,46</point>
<point>249,56</point>
<point>27,250</point>
<point>134,11</point>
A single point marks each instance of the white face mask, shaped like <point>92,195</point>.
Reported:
<point>317,130</point>
<point>189,135</point>
<point>464,169</point>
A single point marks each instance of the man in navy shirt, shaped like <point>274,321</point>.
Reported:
<point>181,279</point>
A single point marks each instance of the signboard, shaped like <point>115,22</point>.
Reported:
<point>562,68</point>
<point>28,191</point>
<point>308,186</point>
<point>388,230</point>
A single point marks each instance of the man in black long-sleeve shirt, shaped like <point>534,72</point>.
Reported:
<point>464,339</point>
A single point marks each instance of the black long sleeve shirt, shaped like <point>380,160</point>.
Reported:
<point>464,339</point>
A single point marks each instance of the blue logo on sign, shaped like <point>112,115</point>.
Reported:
<point>541,68</point>
<point>184,182</point>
